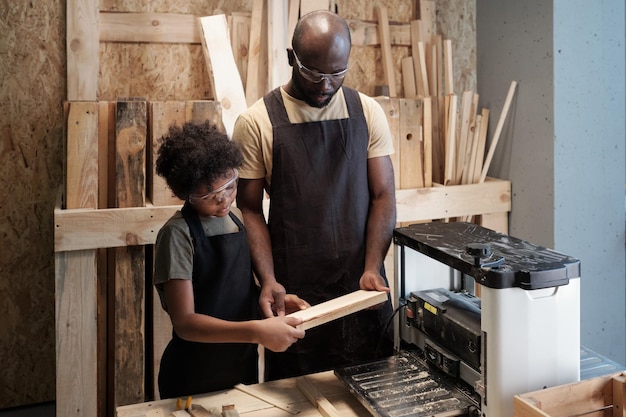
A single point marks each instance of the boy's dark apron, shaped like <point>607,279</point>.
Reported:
<point>319,203</point>
<point>223,287</point>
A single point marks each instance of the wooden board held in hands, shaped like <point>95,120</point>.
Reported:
<point>338,307</point>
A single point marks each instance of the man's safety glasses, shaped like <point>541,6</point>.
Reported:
<point>217,196</point>
<point>315,76</point>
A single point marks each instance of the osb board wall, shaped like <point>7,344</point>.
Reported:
<point>32,86</point>
<point>32,68</point>
<point>165,71</point>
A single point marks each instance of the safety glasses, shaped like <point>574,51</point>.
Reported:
<point>315,76</point>
<point>217,196</point>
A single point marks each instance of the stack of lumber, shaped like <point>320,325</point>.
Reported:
<point>451,144</point>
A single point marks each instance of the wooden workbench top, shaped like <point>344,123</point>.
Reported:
<point>284,391</point>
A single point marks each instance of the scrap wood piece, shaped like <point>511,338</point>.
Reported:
<point>223,72</point>
<point>229,410</point>
<point>428,142</point>
<point>256,79</point>
<point>385,46</point>
<point>316,399</point>
<point>267,398</point>
<point>619,395</point>
<point>496,135</point>
<point>338,307</point>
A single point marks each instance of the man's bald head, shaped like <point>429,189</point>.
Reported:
<point>321,30</point>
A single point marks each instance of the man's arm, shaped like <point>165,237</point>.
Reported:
<point>381,221</point>
<point>250,202</point>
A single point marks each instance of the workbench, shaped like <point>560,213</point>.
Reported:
<point>284,391</point>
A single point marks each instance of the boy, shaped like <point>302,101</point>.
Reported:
<point>203,271</point>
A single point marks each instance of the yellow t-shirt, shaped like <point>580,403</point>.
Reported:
<point>253,130</point>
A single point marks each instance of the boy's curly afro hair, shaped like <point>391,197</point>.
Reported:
<point>194,155</point>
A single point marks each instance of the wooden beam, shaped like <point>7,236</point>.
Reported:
<point>81,229</point>
<point>223,72</point>
<point>82,155</point>
<point>267,398</point>
<point>127,288</point>
<point>278,42</point>
<point>316,398</point>
<point>257,58</point>
<point>385,46</point>
<point>149,27</point>
<point>408,78</point>
<point>76,334</point>
<point>438,202</point>
<point>338,307</point>
<point>163,114</point>
<point>427,123</point>
<point>496,135</point>
<point>410,135</point>
<point>83,52</point>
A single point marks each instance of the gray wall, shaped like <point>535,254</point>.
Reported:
<point>563,145</point>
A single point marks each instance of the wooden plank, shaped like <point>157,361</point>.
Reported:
<point>428,141</point>
<point>82,155</point>
<point>267,398</point>
<point>468,175</point>
<point>149,27</point>
<point>278,42</point>
<point>226,83</point>
<point>338,307</point>
<point>411,156</point>
<point>496,135</point>
<point>257,58</point>
<point>385,46</point>
<point>292,20</point>
<point>428,17</point>
<point>450,148</point>
<point>448,68</point>
<point>240,42</point>
<point>315,397</point>
<point>417,65</point>
<point>307,6</point>
<point>82,46</point>
<point>364,33</point>
<point>163,114</point>
<point>106,150</point>
<point>438,202</point>
<point>80,229</point>
<point>127,288</point>
<point>619,396</point>
<point>200,111</point>
<point>130,148</point>
<point>391,107</point>
<point>408,78</point>
<point>438,140</point>
<point>76,334</point>
<point>438,53</point>
<point>480,148</point>
<point>575,399</point>
<point>461,145</point>
<point>421,52</point>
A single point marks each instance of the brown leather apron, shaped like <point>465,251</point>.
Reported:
<point>319,203</point>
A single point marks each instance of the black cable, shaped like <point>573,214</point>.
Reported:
<point>386,329</point>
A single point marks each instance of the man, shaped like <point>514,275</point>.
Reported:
<point>321,151</point>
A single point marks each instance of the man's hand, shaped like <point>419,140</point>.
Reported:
<point>294,303</point>
<point>272,300</point>
<point>372,280</point>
